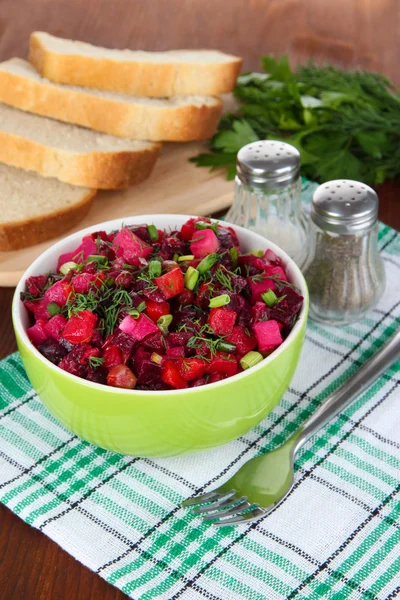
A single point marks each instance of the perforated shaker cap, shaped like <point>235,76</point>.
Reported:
<point>344,206</point>
<point>268,164</point>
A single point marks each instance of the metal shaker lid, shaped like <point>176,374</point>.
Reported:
<point>344,206</point>
<point>268,164</point>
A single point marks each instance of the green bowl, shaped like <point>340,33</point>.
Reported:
<point>165,423</point>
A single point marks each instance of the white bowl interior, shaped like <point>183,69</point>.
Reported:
<point>47,262</point>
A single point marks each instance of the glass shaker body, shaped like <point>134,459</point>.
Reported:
<point>345,273</point>
<point>267,197</point>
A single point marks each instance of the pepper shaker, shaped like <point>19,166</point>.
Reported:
<point>267,196</point>
<point>344,272</point>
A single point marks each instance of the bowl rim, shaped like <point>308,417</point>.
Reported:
<point>113,224</point>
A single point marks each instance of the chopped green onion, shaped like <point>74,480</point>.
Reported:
<point>67,267</point>
<point>99,258</point>
<point>258,253</point>
<point>175,257</point>
<point>205,225</point>
<point>191,277</point>
<point>164,322</point>
<point>156,358</point>
<point>141,306</point>
<point>186,257</point>
<point>270,298</point>
<point>226,347</point>
<point>53,308</point>
<point>206,264</point>
<point>250,359</point>
<point>154,269</point>
<point>134,313</point>
<point>153,233</point>
<point>219,301</point>
<point>234,254</point>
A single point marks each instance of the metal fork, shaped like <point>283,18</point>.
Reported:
<point>263,482</point>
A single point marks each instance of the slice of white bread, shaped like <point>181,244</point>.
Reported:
<point>72,154</point>
<point>152,74</point>
<point>34,209</point>
<point>178,119</point>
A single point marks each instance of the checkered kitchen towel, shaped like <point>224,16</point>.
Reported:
<point>336,536</point>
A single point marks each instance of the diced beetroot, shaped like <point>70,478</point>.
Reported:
<point>171,375</point>
<point>268,335</point>
<point>244,343</point>
<point>186,297</point>
<point>35,284</point>
<point>58,293</point>
<point>276,272</point>
<point>222,320</point>
<point>203,295</point>
<point>216,377</point>
<point>85,249</point>
<point>175,352</point>
<point>223,363</point>
<point>270,256</point>
<point>112,357</point>
<point>121,376</point>
<point>146,370</point>
<point>154,295</point>
<point>204,242</point>
<point>123,341</point>
<point>39,309</point>
<point>89,352</point>
<point>155,343</point>
<point>155,310</point>
<point>227,237</point>
<point>80,327</point>
<point>259,287</point>
<point>52,350</point>
<point>124,279</point>
<point>171,284</point>
<point>198,382</point>
<point>259,311</point>
<point>84,281</point>
<point>191,368</point>
<point>138,328</point>
<point>55,326</point>
<point>130,247</point>
<point>73,363</point>
<point>97,339</point>
<point>179,338</point>
<point>97,375</point>
<point>37,333</point>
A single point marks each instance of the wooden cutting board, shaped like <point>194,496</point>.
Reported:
<point>175,186</point>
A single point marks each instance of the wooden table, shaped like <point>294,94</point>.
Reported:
<point>34,567</point>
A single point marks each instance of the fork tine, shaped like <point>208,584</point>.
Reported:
<point>247,517</point>
<point>226,502</point>
<point>233,511</point>
<point>213,496</point>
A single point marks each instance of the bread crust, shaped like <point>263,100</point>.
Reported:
<point>115,117</point>
<point>29,232</point>
<point>136,78</point>
<point>100,170</point>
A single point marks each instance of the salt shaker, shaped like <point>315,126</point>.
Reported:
<point>267,196</point>
<point>344,271</point>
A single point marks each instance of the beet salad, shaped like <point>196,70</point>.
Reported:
<point>159,310</point>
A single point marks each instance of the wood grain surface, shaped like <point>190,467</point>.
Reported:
<point>351,33</point>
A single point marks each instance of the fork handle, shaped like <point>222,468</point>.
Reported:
<point>353,387</point>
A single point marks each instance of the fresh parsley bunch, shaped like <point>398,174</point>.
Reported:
<point>345,124</point>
